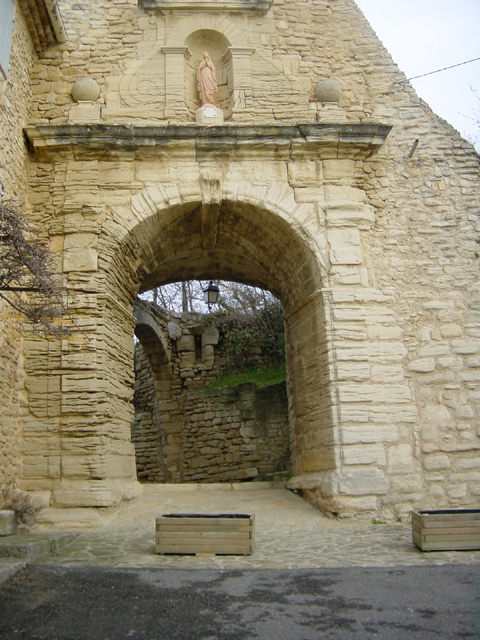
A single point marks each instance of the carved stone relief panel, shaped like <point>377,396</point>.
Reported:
<point>144,83</point>
<point>140,93</point>
<point>162,83</point>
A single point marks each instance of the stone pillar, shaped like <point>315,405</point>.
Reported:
<point>361,442</point>
<point>175,80</point>
<point>375,409</point>
<point>97,457</point>
<point>242,76</point>
<point>76,443</point>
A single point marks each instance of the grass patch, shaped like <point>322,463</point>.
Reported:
<point>261,378</point>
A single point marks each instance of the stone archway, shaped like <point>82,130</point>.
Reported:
<point>245,239</point>
<point>276,207</point>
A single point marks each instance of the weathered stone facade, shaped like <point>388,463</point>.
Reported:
<point>15,99</point>
<point>185,432</point>
<point>369,241</point>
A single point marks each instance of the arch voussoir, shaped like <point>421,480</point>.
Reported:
<point>212,22</point>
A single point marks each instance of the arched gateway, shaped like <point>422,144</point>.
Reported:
<point>318,174</point>
<point>276,208</point>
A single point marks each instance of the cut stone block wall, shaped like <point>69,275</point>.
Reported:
<point>373,251</point>
<point>15,100</point>
<point>10,381</point>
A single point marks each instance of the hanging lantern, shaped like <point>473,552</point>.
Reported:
<point>211,294</point>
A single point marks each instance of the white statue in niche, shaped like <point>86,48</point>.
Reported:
<point>207,82</point>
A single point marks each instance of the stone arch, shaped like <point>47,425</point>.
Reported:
<point>253,235</point>
<point>171,199</point>
<point>158,351</point>
<point>152,339</point>
<point>211,22</point>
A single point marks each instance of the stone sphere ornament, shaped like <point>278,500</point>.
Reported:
<point>328,90</point>
<point>85,89</point>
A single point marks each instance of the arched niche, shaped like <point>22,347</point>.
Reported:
<point>217,46</point>
<point>229,50</point>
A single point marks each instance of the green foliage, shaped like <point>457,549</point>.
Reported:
<point>252,338</point>
<point>261,378</point>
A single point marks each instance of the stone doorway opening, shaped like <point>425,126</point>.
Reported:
<point>255,240</point>
<point>210,394</point>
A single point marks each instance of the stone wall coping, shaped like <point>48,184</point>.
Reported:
<point>191,318</point>
<point>256,6</point>
<point>329,140</point>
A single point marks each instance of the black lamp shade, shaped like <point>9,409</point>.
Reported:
<point>211,293</point>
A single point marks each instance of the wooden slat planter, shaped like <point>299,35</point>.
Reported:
<point>222,534</point>
<point>446,530</point>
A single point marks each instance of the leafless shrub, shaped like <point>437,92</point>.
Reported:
<point>28,267</point>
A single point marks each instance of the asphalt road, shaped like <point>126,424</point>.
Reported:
<point>50,603</point>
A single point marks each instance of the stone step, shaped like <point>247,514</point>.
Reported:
<point>10,566</point>
<point>30,546</point>
<point>8,525</point>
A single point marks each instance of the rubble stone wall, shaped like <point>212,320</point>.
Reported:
<point>219,435</point>
<point>15,101</point>
<point>236,434</point>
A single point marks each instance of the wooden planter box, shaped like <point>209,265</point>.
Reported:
<point>222,534</point>
<point>446,530</point>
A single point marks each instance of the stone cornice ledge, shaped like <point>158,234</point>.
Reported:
<point>324,140</point>
<point>259,6</point>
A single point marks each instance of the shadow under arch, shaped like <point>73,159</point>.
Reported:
<point>241,241</point>
<point>245,243</point>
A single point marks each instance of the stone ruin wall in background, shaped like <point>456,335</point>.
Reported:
<point>226,434</point>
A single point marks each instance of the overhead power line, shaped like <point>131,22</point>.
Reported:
<point>430,73</point>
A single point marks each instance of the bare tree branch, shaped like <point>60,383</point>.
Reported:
<point>26,266</point>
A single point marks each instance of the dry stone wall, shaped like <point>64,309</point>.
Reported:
<point>183,432</point>
<point>146,427</point>
<point>237,434</point>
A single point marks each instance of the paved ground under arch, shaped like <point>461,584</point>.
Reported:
<point>289,534</point>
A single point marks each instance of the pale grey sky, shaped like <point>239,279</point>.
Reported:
<point>425,35</point>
